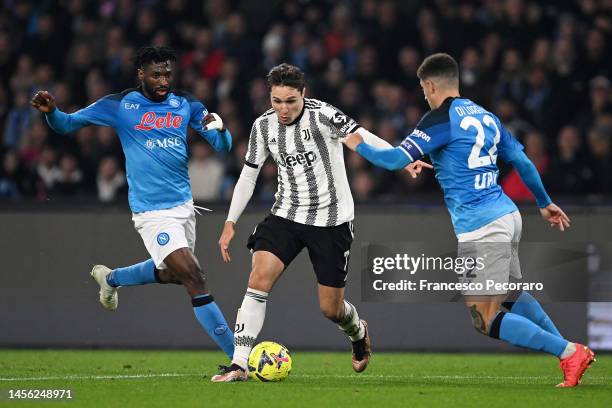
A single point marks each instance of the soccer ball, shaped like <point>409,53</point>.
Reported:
<point>269,361</point>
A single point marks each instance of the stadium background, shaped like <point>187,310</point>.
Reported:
<point>543,67</point>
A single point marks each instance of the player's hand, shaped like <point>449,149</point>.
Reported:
<point>43,101</point>
<point>416,167</point>
<point>352,140</point>
<point>555,216</point>
<point>226,237</point>
<point>213,121</point>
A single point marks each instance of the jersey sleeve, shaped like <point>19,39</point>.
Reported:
<point>220,141</point>
<point>431,133</point>
<point>198,111</point>
<point>508,147</point>
<point>257,152</point>
<point>340,123</point>
<point>103,112</point>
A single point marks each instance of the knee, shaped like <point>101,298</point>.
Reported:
<point>332,311</point>
<point>191,274</point>
<point>258,280</point>
<point>165,276</point>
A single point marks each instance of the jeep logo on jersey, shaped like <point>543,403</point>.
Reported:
<point>150,121</point>
<point>291,160</point>
<point>164,143</point>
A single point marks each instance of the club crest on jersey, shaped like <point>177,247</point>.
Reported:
<point>305,159</point>
<point>150,121</point>
<point>174,103</point>
<point>306,134</point>
<point>163,238</point>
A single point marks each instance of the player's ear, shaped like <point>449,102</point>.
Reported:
<point>431,86</point>
<point>140,73</point>
<point>303,92</point>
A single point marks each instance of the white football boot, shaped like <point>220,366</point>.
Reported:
<point>109,298</point>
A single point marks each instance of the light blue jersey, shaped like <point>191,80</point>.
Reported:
<point>464,141</point>
<point>154,140</point>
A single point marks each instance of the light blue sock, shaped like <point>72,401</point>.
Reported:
<point>138,274</point>
<point>210,317</point>
<point>527,306</point>
<point>520,331</point>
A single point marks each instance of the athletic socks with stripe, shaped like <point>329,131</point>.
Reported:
<point>350,324</point>
<point>249,321</point>
<point>520,331</point>
<point>210,317</point>
<point>527,306</point>
<point>206,310</point>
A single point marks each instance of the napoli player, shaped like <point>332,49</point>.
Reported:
<point>151,121</point>
<point>463,141</point>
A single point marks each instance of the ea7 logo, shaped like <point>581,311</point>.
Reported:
<point>291,160</point>
<point>131,105</point>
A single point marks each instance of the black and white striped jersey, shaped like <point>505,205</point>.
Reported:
<point>312,185</point>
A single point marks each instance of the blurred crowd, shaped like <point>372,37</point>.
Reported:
<point>544,67</point>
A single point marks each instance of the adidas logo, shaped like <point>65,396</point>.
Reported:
<point>272,141</point>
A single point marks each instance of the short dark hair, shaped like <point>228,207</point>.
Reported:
<point>439,65</point>
<point>153,55</point>
<point>286,75</point>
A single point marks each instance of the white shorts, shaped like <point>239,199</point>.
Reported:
<point>498,242</point>
<point>165,231</point>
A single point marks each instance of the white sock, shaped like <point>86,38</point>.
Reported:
<point>569,350</point>
<point>249,322</point>
<point>350,323</point>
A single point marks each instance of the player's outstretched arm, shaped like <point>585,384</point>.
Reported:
<point>371,139</point>
<point>101,112</point>
<point>390,158</point>
<point>242,194</point>
<point>530,176</point>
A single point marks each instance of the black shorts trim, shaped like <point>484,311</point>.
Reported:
<point>328,247</point>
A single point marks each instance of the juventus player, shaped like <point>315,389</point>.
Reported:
<point>313,210</point>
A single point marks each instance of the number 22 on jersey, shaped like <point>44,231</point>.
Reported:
<point>475,160</point>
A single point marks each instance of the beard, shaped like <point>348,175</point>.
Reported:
<point>153,92</point>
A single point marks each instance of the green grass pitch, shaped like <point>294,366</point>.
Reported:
<point>114,378</point>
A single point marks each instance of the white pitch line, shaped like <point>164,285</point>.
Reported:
<point>339,376</point>
<point>441,377</point>
<point>98,377</point>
